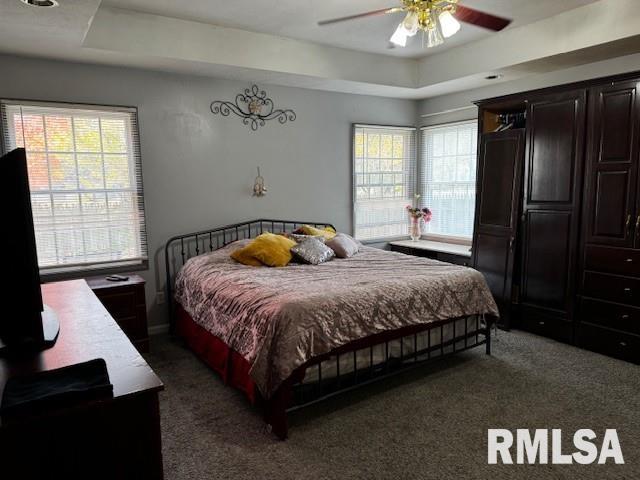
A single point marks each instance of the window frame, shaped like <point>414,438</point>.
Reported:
<point>62,272</point>
<point>437,237</point>
<point>354,186</point>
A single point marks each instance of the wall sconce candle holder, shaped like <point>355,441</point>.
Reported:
<point>259,190</point>
<point>254,107</point>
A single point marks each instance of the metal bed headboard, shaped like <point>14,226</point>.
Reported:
<point>181,248</point>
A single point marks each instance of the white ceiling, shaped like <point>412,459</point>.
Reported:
<point>44,31</point>
<point>279,42</point>
<point>298,19</point>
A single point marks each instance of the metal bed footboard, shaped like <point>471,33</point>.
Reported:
<point>476,332</point>
<point>181,248</point>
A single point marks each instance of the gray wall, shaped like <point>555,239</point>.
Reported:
<point>198,169</point>
<point>605,68</point>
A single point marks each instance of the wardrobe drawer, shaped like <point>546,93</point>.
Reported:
<point>610,342</point>
<point>623,261</point>
<point>612,315</point>
<point>612,287</point>
<point>540,323</point>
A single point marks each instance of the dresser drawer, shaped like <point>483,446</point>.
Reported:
<point>416,252</point>
<point>125,301</point>
<point>623,261</point>
<point>120,304</point>
<point>133,327</point>
<point>612,315</point>
<point>612,287</point>
<point>610,342</point>
<point>455,259</point>
<point>436,255</point>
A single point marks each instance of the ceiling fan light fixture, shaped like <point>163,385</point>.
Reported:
<point>448,24</point>
<point>437,19</point>
<point>399,37</point>
<point>411,23</point>
<point>434,37</point>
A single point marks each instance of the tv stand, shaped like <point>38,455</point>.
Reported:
<point>50,330</point>
<point>50,327</point>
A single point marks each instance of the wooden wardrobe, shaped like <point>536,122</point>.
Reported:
<point>557,225</point>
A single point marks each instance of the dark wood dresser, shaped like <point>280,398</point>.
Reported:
<point>125,301</point>
<point>445,252</point>
<point>108,438</point>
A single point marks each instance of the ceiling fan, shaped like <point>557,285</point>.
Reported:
<point>436,19</point>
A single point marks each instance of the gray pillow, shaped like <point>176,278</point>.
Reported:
<point>313,251</point>
<point>343,245</point>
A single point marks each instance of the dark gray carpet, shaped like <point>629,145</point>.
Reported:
<point>426,424</point>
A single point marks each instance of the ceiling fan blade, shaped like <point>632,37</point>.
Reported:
<point>481,19</point>
<point>382,11</point>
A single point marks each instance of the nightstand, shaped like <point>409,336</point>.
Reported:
<point>125,301</point>
<point>445,252</point>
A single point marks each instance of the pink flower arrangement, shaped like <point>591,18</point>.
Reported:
<point>416,212</point>
<point>419,213</point>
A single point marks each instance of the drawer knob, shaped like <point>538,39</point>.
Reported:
<point>627,290</point>
<point>540,323</point>
<point>625,317</point>
<point>623,344</point>
<point>629,260</point>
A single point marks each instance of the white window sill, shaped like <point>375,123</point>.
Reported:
<point>57,274</point>
<point>435,246</point>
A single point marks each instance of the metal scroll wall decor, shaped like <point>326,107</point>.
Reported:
<point>254,107</point>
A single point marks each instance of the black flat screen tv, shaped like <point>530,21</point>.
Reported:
<point>26,323</point>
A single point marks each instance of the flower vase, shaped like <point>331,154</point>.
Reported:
<point>415,229</point>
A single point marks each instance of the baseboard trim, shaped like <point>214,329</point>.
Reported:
<point>158,329</point>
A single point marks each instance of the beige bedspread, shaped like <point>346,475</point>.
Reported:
<point>279,318</point>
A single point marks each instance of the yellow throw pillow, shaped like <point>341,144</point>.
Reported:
<point>268,249</point>
<point>328,233</point>
<point>241,255</point>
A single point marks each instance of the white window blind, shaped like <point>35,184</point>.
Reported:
<point>85,180</point>
<point>448,157</point>
<point>384,177</point>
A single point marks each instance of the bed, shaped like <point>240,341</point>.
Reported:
<point>292,336</point>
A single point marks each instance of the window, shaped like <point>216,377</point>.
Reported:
<point>384,175</point>
<point>86,183</point>
<point>448,177</point>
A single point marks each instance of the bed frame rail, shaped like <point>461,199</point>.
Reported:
<point>181,248</point>
<point>476,332</point>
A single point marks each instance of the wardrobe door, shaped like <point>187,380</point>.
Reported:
<point>637,225</point>
<point>610,213</point>
<point>499,181</point>
<point>551,206</point>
